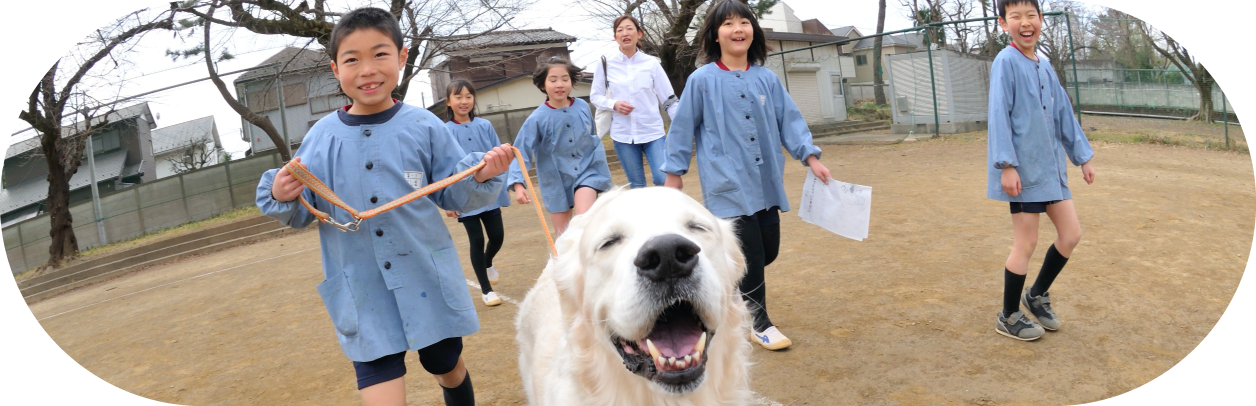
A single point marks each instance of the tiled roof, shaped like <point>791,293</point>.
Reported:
<point>504,39</point>
<point>108,166</point>
<point>909,39</point>
<point>170,138</point>
<point>291,59</point>
<point>118,115</point>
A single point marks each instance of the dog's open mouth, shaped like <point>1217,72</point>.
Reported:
<point>673,354</point>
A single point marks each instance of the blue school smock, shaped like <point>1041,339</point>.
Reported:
<point>566,151</point>
<point>395,284</point>
<point>1032,128</point>
<point>739,121</point>
<point>479,136</point>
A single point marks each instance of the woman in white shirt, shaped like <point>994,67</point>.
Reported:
<point>637,86</point>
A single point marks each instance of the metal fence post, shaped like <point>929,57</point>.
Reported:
<point>933,84</point>
<point>1077,93</point>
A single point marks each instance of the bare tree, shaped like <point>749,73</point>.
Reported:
<point>195,155</point>
<point>1194,71</point>
<point>878,79</point>
<point>927,13</point>
<point>46,112</point>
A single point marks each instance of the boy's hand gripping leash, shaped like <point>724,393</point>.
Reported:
<point>309,180</point>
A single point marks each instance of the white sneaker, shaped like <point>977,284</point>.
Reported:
<point>771,339</point>
<point>491,299</point>
<point>492,275</point>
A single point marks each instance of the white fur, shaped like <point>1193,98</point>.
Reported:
<point>586,294</point>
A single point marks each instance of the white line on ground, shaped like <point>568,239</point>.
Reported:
<point>178,281</point>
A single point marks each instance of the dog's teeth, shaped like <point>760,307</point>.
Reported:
<point>681,364</point>
<point>662,361</point>
<point>701,345</point>
<point>671,361</point>
<point>654,351</point>
<point>688,358</point>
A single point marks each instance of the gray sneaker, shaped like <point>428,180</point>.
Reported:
<point>1040,307</point>
<point>1018,326</point>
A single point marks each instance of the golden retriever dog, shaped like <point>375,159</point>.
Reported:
<point>639,307</point>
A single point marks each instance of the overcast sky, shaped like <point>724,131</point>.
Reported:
<point>153,70</point>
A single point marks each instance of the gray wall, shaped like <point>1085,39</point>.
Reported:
<point>145,208</point>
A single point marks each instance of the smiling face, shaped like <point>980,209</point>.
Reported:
<point>735,36</point>
<point>1023,22</point>
<point>557,83</point>
<point>367,65</point>
<point>627,35</point>
<point>462,103</point>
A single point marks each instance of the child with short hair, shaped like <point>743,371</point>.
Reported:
<point>559,138</point>
<point>740,116</point>
<point>476,134</point>
<point>1031,129</point>
<point>396,284</point>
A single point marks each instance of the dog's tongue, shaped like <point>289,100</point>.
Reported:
<point>676,337</point>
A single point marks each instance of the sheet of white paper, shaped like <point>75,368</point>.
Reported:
<point>840,207</point>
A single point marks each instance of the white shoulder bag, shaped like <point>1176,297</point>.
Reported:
<point>602,118</point>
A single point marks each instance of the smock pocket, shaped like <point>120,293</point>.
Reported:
<point>339,302</point>
<point>449,272</point>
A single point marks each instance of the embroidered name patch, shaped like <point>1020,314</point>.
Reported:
<point>416,179</point>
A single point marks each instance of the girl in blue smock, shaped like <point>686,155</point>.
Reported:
<point>475,134</point>
<point>740,116</point>
<point>558,137</point>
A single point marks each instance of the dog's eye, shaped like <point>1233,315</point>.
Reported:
<point>694,226</point>
<point>610,241</point>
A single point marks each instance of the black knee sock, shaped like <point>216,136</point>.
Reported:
<point>463,395</point>
<point>1012,286</point>
<point>1051,266</point>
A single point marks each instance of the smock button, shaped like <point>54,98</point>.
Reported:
<point>369,165</point>
<point>367,133</point>
<point>743,96</point>
<point>379,233</point>
<point>388,265</point>
<point>752,138</point>
<point>374,199</point>
<point>756,159</point>
<point>747,117</point>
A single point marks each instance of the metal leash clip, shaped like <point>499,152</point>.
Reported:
<point>346,227</point>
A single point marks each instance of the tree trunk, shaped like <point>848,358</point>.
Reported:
<point>263,122</point>
<point>64,243</point>
<point>878,82</point>
<point>1203,82</point>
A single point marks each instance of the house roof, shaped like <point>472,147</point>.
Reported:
<point>845,31</point>
<point>108,166</point>
<point>292,59</point>
<point>908,40</point>
<point>172,137</point>
<point>793,36</point>
<point>134,110</point>
<point>495,39</point>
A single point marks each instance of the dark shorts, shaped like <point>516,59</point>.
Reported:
<point>437,359</point>
<point>1031,207</point>
<point>497,212</point>
<point>769,216</point>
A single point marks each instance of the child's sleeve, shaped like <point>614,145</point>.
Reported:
<point>448,158</point>
<point>795,135</point>
<point>597,93</point>
<point>1002,85</point>
<point>1076,146</point>
<point>686,125</point>
<point>524,141</point>
<point>291,214</point>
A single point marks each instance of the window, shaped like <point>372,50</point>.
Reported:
<point>294,94</point>
<point>326,103</point>
<point>861,60</point>
<point>263,100</point>
<point>104,142</point>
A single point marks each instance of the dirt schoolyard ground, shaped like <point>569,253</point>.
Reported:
<point>905,317</point>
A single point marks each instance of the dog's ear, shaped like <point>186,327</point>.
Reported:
<point>729,240</point>
<point>567,270</point>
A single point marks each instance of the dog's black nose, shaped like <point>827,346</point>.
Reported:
<point>667,256</point>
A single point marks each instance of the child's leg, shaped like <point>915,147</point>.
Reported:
<point>1069,233</point>
<point>475,236</point>
<point>381,382</point>
<point>444,361</point>
<point>584,196</point>
<point>752,285</point>
<point>1024,238</point>
<point>390,393</point>
<point>492,227</point>
<point>560,221</point>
